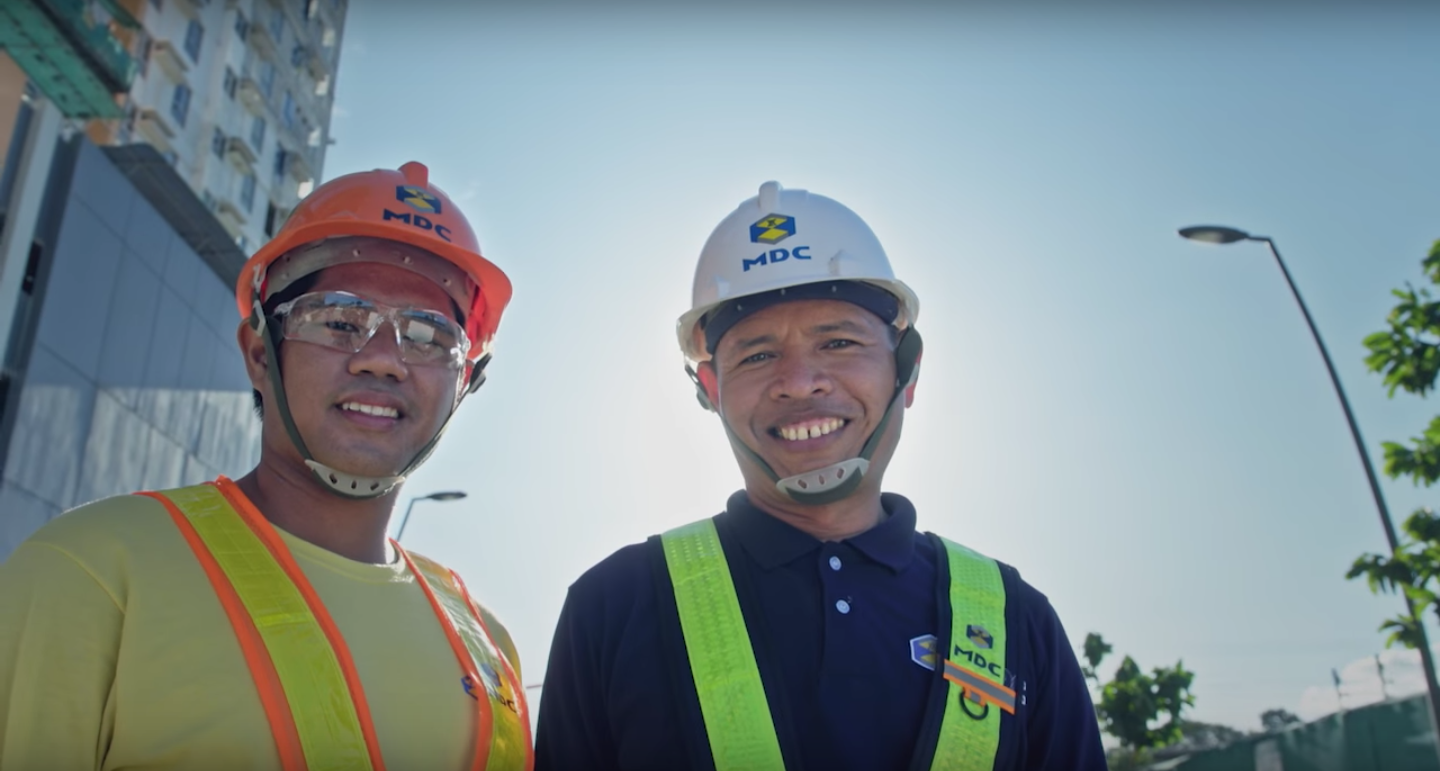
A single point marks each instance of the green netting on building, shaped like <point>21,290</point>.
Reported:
<point>1392,736</point>
<point>68,49</point>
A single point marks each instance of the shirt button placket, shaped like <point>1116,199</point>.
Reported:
<point>844,604</point>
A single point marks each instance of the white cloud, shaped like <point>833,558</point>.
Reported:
<point>1360,683</point>
<point>338,112</point>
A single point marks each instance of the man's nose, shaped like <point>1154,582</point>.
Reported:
<point>381,355</point>
<point>799,376</point>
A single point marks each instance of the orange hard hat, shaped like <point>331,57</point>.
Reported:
<point>397,206</point>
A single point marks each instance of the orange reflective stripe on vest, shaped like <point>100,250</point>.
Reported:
<point>504,716</point>
<point>302,668</point>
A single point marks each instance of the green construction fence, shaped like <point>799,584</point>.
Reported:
<point>1390,736</point>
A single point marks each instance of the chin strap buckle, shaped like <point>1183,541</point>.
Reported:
<point>351,485</point>
<point>825,485</point>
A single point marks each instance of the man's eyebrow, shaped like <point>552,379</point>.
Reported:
<point>840,326</point>
<point>751,342</point>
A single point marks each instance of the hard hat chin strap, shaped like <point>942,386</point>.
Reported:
<point>839,480</point>
<point>336,481</point>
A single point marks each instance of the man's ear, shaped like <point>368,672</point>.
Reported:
<point>910,391</point>
<point>252,346</point>
<point>709,383</point>
<point>909,349</point>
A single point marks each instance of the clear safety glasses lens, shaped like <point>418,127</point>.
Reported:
<point>346,322</point>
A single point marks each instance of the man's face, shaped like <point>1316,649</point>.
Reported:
<point>367,413</point>
<point>805,383</point>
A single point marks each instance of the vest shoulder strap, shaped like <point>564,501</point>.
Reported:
<point>974,665</point>
<point>504,712</point>
<point>294,663</point>
<point>737,715</point>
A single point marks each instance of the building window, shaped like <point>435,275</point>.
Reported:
<point>311,7</point>
<point>207,199</point>
<point>231,82</point>
<point>267,79</point>
<point>289,113</point>
<point>272,219</point>
<point>194,33</point>
<point>277,26</point>
<point>145,52</point>
<point>217,143</point>
<point>155,3</point>
<point>242,26</point>
<point>128,127</point>
<point>297,56</point>
<point>257,135</point>
<point>247,192</point>
<point>280,156</point>
<point>180,104</point>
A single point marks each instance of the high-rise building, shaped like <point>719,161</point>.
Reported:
<point>122,372</point>
<point>118,368</point>
<point>238,96</point>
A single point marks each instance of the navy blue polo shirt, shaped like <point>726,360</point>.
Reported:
<point>832,624</point>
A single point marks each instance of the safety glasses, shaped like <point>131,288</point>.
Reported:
<point>346,322</point>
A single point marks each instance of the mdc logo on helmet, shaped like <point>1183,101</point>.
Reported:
<point>417,199</point>
<point>979,636</point>
<point>772,229</point>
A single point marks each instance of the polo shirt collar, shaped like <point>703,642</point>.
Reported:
<point>772,542</point>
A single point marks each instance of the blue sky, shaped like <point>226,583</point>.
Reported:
<point>1139,423</point>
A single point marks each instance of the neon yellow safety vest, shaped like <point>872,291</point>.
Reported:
<point>737,715</point>
<point>302,668</point>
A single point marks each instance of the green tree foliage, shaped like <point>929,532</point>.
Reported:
<point>1095,650</point>
<point>1412,570</point>
<point>1407,355</point>
<point>1277,720</point>
<point>1141,709</point>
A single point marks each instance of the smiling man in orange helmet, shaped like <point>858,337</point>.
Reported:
<point>267,622</point>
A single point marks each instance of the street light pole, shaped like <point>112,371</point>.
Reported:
<point>453,495</point>
<point>1223,235</point>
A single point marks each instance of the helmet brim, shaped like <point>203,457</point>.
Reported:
<point>495,287</point>
<point>692,341</point>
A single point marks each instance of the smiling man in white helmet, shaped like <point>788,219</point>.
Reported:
<point>809,625</point>
<point>268,623</point>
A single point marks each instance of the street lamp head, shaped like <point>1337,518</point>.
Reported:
<point>1213,234</point>
<point>451,495</point>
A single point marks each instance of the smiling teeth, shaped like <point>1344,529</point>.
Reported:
<point>370,409</point>
<point>814,430</point>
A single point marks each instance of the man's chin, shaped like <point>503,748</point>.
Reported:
<point>792,467</point>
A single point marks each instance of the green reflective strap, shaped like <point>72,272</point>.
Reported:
<point>732,698</point>
<point>320,703</point>
<point>977,600</point>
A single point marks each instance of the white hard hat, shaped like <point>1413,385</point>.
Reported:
<point>781,239</point>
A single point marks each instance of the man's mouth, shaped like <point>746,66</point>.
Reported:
<point>374,410</point>
<point>808,429</point>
